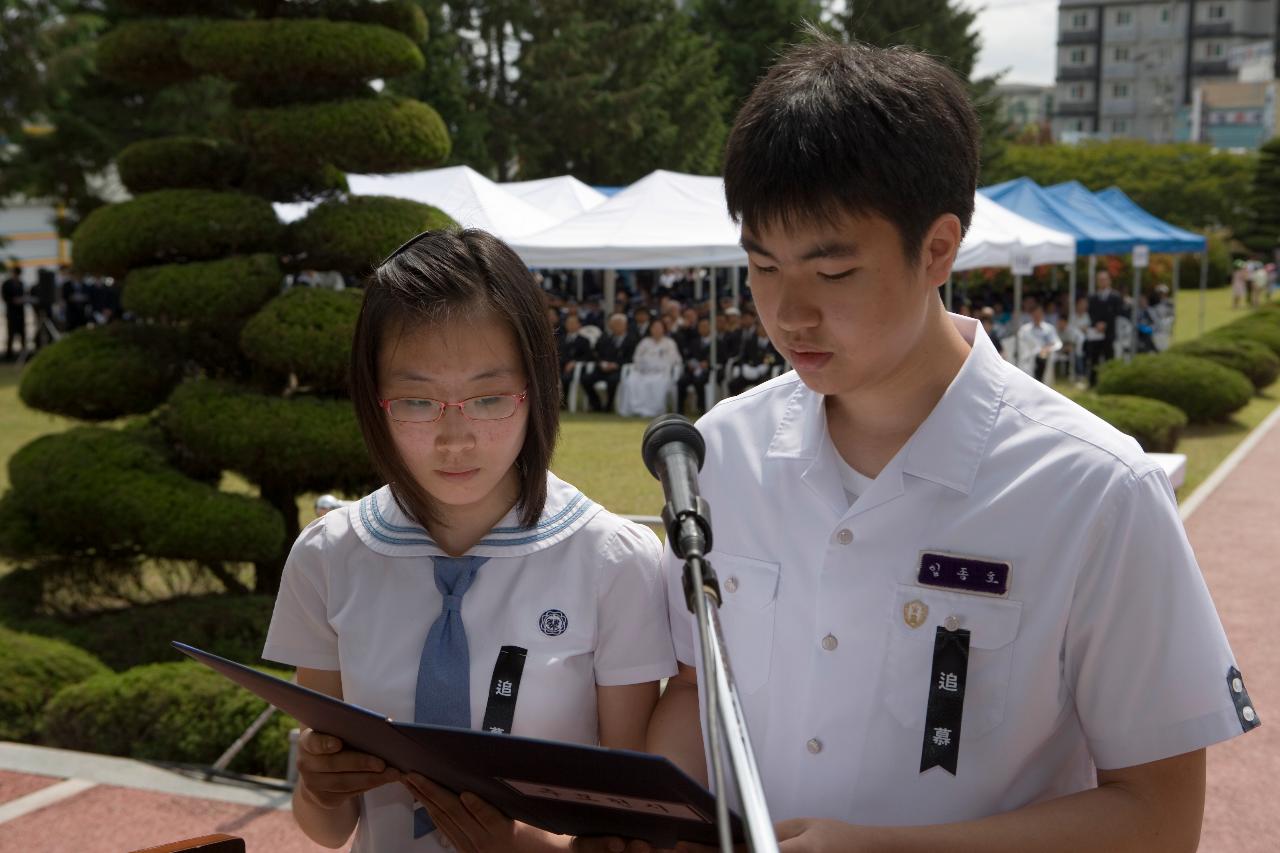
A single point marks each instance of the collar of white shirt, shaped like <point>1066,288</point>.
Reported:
<point>387,529</point>
<point>946,448</point>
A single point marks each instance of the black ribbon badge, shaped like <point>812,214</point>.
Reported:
<point>504,689</point>
<point>946,700</point>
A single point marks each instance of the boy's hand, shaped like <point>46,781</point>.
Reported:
<point>330,775</point>
<point>469,823</point>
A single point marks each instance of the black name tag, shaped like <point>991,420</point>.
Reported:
<point>963,574</point>
<point>504,690</point>
<point>946,700</point>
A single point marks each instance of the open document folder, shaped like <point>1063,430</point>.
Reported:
<point>560,787</point>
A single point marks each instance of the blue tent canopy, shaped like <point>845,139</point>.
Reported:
<point>1083,202</point>
<point>1096,233</point>
<point>1178,239</point>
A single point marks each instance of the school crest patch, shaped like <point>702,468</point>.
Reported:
<point>553,623</point>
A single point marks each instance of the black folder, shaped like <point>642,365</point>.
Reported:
<point>564,788</point>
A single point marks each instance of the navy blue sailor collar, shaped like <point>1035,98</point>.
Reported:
<point>386,529</point>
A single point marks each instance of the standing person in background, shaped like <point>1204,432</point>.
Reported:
<point>14,294</point>
<point>1239,285</point>
<point>474,563</point>
<point>1105,307</point>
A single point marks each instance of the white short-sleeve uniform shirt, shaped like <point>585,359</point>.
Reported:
<point>358,595</point>
<point>1105,652</point>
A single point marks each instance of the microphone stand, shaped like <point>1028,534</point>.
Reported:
<point>724,723</point>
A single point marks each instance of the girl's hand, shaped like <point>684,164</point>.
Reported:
<point>469,823</point>
<point>330,775</point>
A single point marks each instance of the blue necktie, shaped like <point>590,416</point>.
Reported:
<point>443,696</point>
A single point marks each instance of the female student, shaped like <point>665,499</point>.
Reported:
<point>476,589</point>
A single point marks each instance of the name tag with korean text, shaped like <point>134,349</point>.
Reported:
<point>960,573</point>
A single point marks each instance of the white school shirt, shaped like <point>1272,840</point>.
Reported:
<point>358,595</point>
<point>1106,649</point>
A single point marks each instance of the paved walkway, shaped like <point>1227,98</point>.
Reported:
<point>53,801</point>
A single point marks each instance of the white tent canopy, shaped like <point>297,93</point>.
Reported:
<point>470,198</point>
<point>996,234</point>
<point>664,219</point>
<point>563,197</point>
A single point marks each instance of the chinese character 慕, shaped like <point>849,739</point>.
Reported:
<point>947,681</point>
<point>942,737</point>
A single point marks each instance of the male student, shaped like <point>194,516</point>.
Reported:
<point>961,611</point>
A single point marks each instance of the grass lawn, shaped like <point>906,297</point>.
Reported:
<point>1217,312</point>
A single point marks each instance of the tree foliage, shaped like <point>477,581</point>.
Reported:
<point>1262,231</point>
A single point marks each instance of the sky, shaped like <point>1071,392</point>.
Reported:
<point>1020,36</point>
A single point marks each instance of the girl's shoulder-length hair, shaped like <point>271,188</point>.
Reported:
<point>439,277</point>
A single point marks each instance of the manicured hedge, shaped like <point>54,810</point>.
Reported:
<point>102,373</point>
<point>143,53</point>
<point>369,135</point>
<point>207,291</point>
<point>1157,426</point>
<point>307,332</point>
<point>179,712</point>
<point>180,162</point>
<point>182,7</point>
<point>108,490</point>
<point>400,15</point>
<point>1255,360</point>
<point>354,234</point>
<point>303,182</point>
<point>305,444</point>
<point>173,225</point>
<point>32,670</point>
<point>1263,327</point>
<point>1204,391</point>
<point>279,52</point>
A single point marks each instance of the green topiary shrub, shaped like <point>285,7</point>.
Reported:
<point>183,7</point>
<point>180,162</point>
<point>143,53</point>
<point>1262,328</point>
<point>1157,426</point>
<point>92,489</point>
<point>399,15</point>
<point>306,332</point>
<point>102,373</point>
<point>280,182</point>
<point>32,670</point>
<point>308,444</point>
<point>276,52</point>
<point>179,712</point>
<point>354,235</point>
<point>373,135</point>
<point>1255,360</point>
<point>208,291</point>
<point>233,626</point>
<point>1204,391</point>
<point>173,225</point>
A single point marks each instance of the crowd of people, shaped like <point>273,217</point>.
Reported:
<point>59,301</point>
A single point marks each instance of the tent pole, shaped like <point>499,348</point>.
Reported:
<point>711,389</point>
<point>1071,316</point>
<point>1133,311</point>
<point>577,278</point>
<point>697,283</point>
<point>1093,273</point>
<point>1204,281</point>
<point>610,294</point>
<point>1015,316</point>
<point>734,272</point>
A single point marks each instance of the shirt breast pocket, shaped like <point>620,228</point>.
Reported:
<point>749,589</point>
<point>992,624</point>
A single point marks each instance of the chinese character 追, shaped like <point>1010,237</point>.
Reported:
<point>947,681</point>
<point>497,730</point>
<point>942,737</point>
<point>503,688</point>
<point>963,574</point>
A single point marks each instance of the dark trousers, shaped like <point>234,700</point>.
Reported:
<point>610,378</point>
<point>698,384</point>
<point>1096,353</point>
<point>1041,363</point>
<point>17,328</point>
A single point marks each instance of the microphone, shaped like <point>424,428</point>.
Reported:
<point>672,449</point>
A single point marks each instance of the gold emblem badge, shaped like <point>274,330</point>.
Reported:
<point>914,613</point>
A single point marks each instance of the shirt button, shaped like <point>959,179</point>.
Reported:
<point>731,585</point>
<point>830,642</point>
<point>952,623</point>
<point>845,536</point>
<point>1247,713</point>
<point>1237,685</point>
<point>814,746</point>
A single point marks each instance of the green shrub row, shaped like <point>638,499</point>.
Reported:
<point>103,373</point>
<point>306,332</point>
<point>173,225</point>
<point>143,53</point>
<point>368,135</point>
<point>179,712</point>
<point>277,52</point>
<point>1255,360</point>
<point>355,234</point>
<point>100,490</point>
<point>403,16</point>
<point>32,670</point>
<point>1260,326</point>
<point>204,291</point>
<point>181,162</point>
<point>299,443</point>
<point>1157,426</point>
<point>1203,390</point>
<point>297,182</point>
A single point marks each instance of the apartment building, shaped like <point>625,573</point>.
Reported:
<point>1131,68</point>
